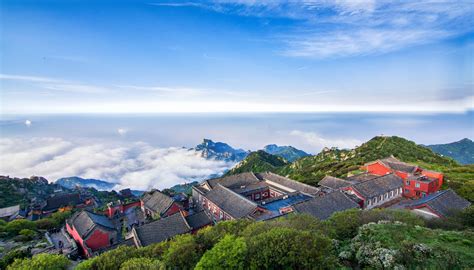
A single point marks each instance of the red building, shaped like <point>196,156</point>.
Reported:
<point>418,182</point>
<point>118,208</point>
<point>157,204</point>
<point>92,232</point>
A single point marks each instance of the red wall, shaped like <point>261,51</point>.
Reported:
<point>264,194</point>
<point>121,208</point>
<point>75,235</point>
<point>172,210</point>
<point>215,210</point>
<point>425,187</point>
<point>435,175</point>
<point>99,239</point>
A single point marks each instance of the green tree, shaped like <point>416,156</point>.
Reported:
<point>228,253</point>
<point>285,248</point>
<point>12,255</point>
<point>86,265</point>
<point>60,217</point>
<point>46,224</point>
<point>113,259</point>
<point>140,264</point>
<point>41,262</point>
<point>27,234</point>
<point>209,236</point>
<point>15,226</point>
<point>183,253</point>
<point>467,216</point>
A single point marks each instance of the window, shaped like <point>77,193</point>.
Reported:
<point>381,197</point>
<point>375,200</point>
<point>407,191</point>
<point>221,215</point>
<point>369,202</point>
<point>417,185</point>
<point>386,195</point>
<point>257,196</point>
<point>391,193</point>
<point>408,183</point>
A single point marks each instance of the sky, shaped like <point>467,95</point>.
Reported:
<point>236,56</point>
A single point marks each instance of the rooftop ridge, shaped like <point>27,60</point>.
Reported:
<point>297,182</point>
<point>236,194</point>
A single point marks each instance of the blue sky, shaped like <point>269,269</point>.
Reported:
<point>236,56</point>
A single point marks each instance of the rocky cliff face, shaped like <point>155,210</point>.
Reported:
<point>220,151</point>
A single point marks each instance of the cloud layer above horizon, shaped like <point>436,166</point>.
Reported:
<point>135,165</point>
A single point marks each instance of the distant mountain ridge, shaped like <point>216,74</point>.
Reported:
<point>259,161</point>
<point>220,151</point>
<point>289,153</point>
<point>462,151</point>
<point>72,182</point>
<point>339,162</point>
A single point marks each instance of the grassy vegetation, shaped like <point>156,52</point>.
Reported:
<point>259,161</point>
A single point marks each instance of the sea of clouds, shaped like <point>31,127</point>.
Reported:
<point>136,165</point>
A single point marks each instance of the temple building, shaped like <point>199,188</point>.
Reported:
<point>418,182</point>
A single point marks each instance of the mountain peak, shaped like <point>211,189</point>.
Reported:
<point>289,153</point>
<point>220,151</point>
<point>462,151</point>
<point>258,161</point>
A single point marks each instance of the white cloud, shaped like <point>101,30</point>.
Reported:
<point>320,142</point>
<point>28,123</point>
<point>27,78</point>
<point>122,131</point>
<point>338,28</point>
<point>137,165</point>
<point>367,41</point>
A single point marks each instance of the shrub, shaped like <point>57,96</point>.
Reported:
<point>208,237</point>
<point>12,255</point>
<point>46,224</point>
<point>41,262</point>
<point>140,264</point>
<point>27,234</point>
<point>229,253</point>
<point>285,248</point>
<point>112,260</point>
<point>183,253</point>
<point>15,226</point>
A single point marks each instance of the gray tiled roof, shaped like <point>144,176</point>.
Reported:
<point>157,201</point>
<point>378,186</point>
<point>323,207</point>
<point>295,185</point>
<point>234,181</point>
<point>162,229</point>
<point>198,220</point>
<point>398,165</point>
<point>61,200</point>
<point>85,222</point>
<point>444,202</point>
<point>251,187</point>
<point>361,177</point>
<point>230,202</point>
<point>334,182</point>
